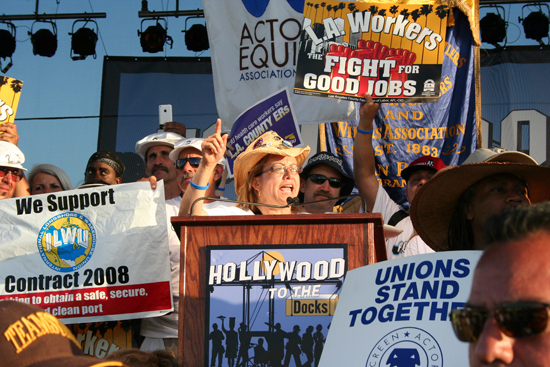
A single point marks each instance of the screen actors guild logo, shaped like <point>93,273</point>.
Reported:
<point>406,347</point>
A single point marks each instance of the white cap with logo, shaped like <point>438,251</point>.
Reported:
<point>164,138</point>
<point>190,143</point>
<point>11,156</point>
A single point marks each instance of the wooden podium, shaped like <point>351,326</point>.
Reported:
<point>362,234</point>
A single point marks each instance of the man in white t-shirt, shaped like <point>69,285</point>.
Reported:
<point>378,201</point>
<point>162,332</point>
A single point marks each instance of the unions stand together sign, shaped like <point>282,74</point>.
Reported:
<point>396,313</point>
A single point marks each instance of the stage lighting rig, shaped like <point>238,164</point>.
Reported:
<point>44,41</point>
<point>536,24</point>
<point>84,40</point>
<point>7,45</point>
<point>196,37</point>
<point>493,27</point>
<point>152,40</point>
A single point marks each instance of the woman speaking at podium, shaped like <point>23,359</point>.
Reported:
<point>267,172</point>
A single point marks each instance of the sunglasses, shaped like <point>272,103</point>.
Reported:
<point>193,162</point>
<point>16,174</point>
<point>516,320</point>
<point>283,144</point>
<point>320,179</point>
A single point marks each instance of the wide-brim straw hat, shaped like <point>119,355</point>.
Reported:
<point>434,203</point>
<point>268,143</point>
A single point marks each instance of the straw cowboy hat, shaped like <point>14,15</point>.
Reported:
<point>434,204</point>
<point>268,143</point>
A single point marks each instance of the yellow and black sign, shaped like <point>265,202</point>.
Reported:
<point>311,306</point>
<point>10,91</point>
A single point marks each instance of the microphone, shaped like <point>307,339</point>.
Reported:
<point>293,201</point>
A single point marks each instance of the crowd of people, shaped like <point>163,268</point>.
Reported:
<point>238,342</point>
<point>452,208</point>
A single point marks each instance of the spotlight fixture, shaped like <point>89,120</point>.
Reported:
<point>536,24</point>
<point>44,41</point>
<point>83,41</point>
<point>7,45</point>
<point>493,28</point>
<point>196,38</point>
<point>154,37</point>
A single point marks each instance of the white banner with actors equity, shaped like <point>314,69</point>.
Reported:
<point>88,255</point>
<point>396,313</point>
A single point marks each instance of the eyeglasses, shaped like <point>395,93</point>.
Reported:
<point>516,320</point>
<point>280,169</point>
<point>320,179</point>
<point>193,162</point>
<point>16,174</point>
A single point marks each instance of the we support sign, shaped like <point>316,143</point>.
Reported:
<point>88,255</point>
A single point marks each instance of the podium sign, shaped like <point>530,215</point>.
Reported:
<point>295,263</point>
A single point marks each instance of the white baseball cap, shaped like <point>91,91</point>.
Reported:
<point>164,138</point>
<point>11,156</point>
<point>190,143</point>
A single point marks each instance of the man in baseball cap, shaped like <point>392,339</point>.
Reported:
<point>324,178</point>
<point>34,338</point>
<point>187,155</point>
<point>11,169</point>
<point>155,150</point>
<point>419,171</point>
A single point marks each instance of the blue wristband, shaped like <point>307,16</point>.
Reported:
<point>198,187</point>
<point>221,189</point>
<point>364,131</point>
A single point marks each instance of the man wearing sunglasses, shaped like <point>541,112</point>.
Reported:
<point>11,170</point>
<point>416,175</point>
<point>506,317</point>
<point>324,178</point>
<point>155,150</point>
<point>187,155</point>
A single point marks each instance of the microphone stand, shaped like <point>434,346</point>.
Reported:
<point>237,202</point>
<point>291,202</point>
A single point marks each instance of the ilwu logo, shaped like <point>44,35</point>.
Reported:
<point>66,242</point>
<point>406,347</point>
